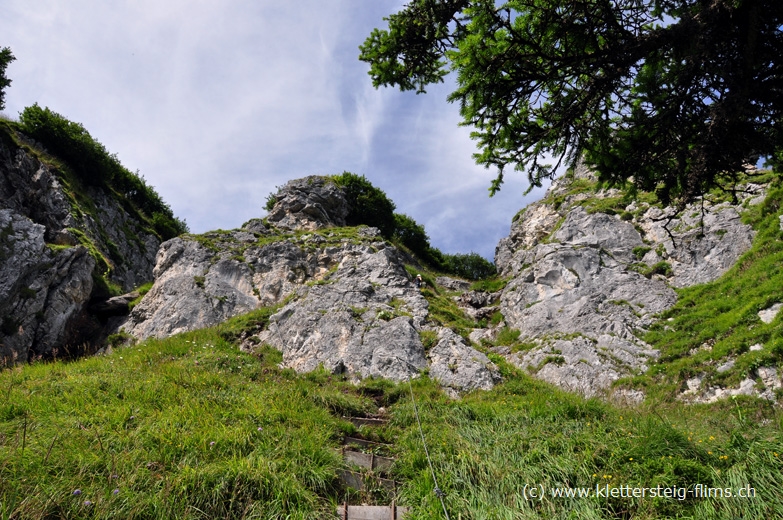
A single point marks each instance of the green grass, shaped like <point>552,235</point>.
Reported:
<point>189,427</point>
<point>490,284</point>
<point>722,316</point>
<point>489,446</point>
<point>182,428</point>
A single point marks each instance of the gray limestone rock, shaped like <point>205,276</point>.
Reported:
<point>768,315</point>
<point>460,367</point>
<point>452,284</point>
<point>42,290</point>
<point>585,364</point>
<point>308,204</point>
<point>699,247</point>
<point>363,321</point>
<point>46,278</point>
<point>349,307</point>
<point>255,225</point>
<point>583,290</point>
<point>599,231</point>
<point>592,277</point>
<point>202,283</point>
<point>29,188</point>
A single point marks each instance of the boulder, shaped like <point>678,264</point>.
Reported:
<point>458,367</point>
<point>200,283</point>
<point>310,203</point>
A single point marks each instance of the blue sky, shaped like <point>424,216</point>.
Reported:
<point>216,103</point>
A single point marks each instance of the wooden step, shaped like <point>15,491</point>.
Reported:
<point>367,421</point>
<point>356,480</point>
<point>391,512</point>
<point>348,441</point>
<point>370,461</point>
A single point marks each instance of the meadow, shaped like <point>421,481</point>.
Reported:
<point>189,427</point>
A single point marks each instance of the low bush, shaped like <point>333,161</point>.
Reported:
<point>93,165</point>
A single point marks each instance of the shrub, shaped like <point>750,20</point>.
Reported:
<point>95,166</point>
<point>368,205</point>
<point>411,234</point>
<point>472,266</point>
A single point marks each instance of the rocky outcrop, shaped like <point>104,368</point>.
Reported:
<point>310,203</point>
<point>77,215</point>
<point>585,284</point>
<point>347,302</point>
<point>349,306</point>
<point>42,290</point>
<point>58,238</point>
<point>363,319</point>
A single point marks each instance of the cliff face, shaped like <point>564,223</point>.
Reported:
<point>346,301</point>
<point>588,273</point>
<point>62,247</point>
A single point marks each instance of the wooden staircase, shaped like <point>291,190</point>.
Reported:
<point>366,472</point>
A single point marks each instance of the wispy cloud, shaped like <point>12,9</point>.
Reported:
<point>218,103</point>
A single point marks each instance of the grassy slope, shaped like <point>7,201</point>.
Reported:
<point>188,427</point>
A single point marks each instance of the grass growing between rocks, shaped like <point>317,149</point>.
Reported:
<point>719,321</point>
<point>188,427</point>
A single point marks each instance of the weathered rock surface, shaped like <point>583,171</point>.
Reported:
<point>585,285</point>
<point>459,367</point>
<point>46,276</point>
<point>699,246</point>
<point>364,320</point>
<point>310,203</point>
<point>42,290</point>
<point>30,188</point>
<point>769,379</point>
<point>349,305</point>
<point>769,315</point>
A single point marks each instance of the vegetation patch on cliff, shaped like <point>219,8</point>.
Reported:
<point>89,160</point>
<point>714,322</point>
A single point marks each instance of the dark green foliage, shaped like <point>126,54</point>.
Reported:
<point>640,251</point>
<point>368,205</point>
<point>6,57</point>
<point>666,94</point>
<point>71,142</point>
<point>271,200</point>
<point>95,166</point>
<point>411,234</point>
<point>471,266</point>
<point>246,324</point>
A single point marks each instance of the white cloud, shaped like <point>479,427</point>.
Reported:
<point>216,103</point>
